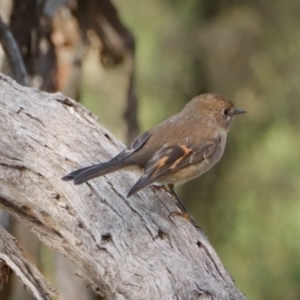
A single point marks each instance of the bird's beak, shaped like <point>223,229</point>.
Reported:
<point>239,111</point>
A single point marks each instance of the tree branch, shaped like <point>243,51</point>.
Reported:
<point>11,258</point>
<point>125,248</point>
<point>13,54</point>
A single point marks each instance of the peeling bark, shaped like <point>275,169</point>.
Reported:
<point>124,248</point>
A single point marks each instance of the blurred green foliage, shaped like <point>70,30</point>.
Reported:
<point>248,51</point>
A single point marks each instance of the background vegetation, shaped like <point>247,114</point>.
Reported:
<point>248,205</point>
<point>249,51</point>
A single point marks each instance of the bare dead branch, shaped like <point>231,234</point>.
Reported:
<point>12,259</point>
<point>13,54</point>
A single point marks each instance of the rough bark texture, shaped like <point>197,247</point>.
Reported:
<point>124,248</point>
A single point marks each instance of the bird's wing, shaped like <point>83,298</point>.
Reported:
<point>172,158</point>
<point>135,145</point>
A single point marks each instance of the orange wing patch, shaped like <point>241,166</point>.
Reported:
<point>161,163</point>
<point>186,151</point>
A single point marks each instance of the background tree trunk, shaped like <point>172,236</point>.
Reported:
<point>124,248</point>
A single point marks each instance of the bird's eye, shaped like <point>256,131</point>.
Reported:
<point>226,112</point>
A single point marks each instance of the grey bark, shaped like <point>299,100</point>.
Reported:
<point>124,248</point>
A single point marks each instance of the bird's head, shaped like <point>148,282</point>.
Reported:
<point>213,109</point>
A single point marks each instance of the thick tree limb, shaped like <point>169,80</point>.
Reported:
<point>125,248</point>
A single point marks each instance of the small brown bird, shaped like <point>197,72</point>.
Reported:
<point>179,149</point>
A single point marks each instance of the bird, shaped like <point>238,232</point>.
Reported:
<point>177,150</point>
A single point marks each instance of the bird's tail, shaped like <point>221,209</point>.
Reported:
<point>82,175</point>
